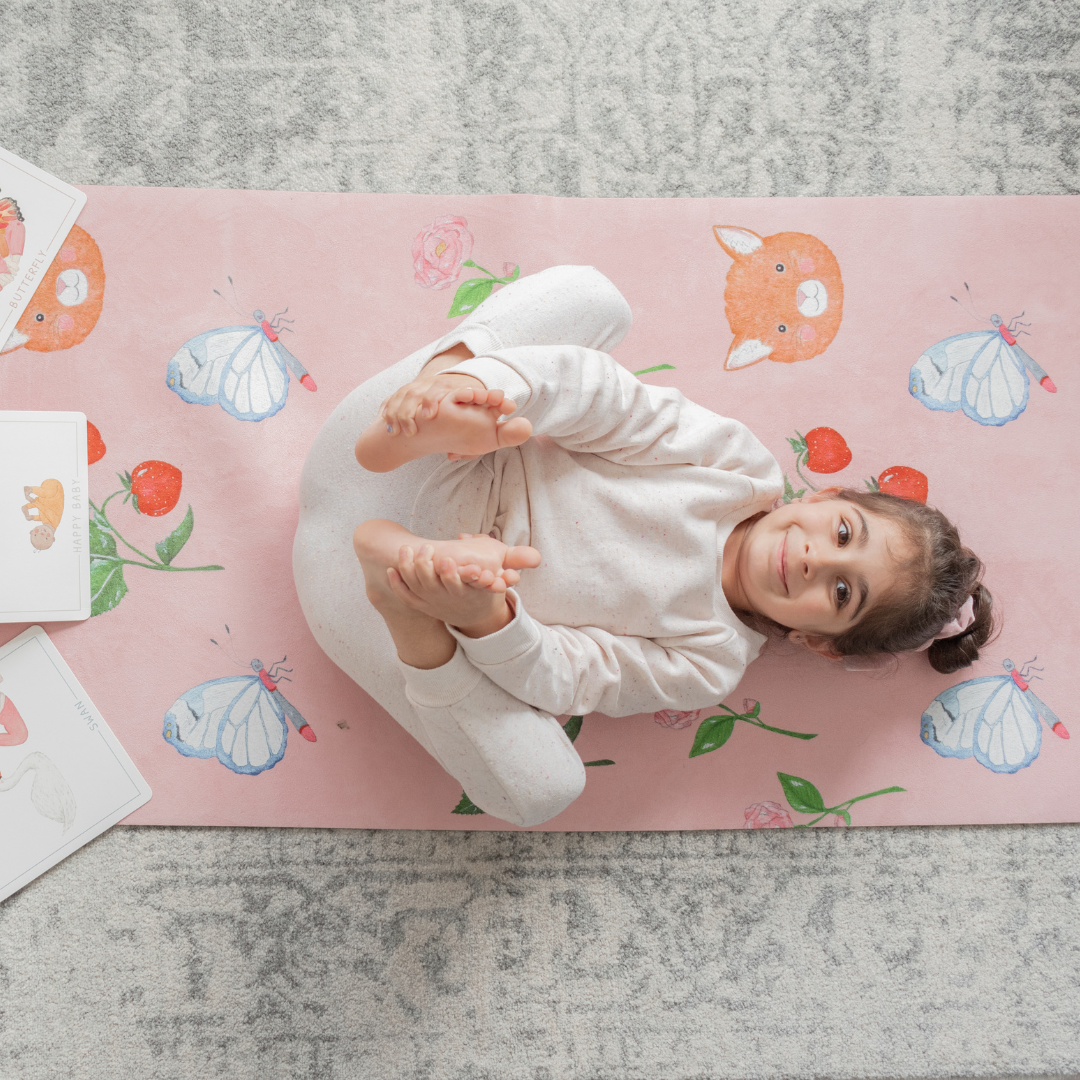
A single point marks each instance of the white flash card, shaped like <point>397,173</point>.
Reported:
<point>64,777</point>
<point>44,517</point>
<point>36,214</point>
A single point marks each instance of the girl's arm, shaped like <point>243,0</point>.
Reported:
<point>586,402</point>
<point>577,670</point>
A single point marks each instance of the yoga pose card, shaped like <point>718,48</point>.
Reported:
<point>64,777</point>
<point>37,212</point>
<point>44,517</point>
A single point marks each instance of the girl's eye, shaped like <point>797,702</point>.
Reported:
<point>779,268</point>
<point>843,593</point>
<point>844,533</point>
<point>782,328</point>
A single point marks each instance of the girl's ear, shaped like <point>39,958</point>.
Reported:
<point>820,645</point>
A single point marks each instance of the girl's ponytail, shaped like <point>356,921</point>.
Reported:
<point>951,654</point>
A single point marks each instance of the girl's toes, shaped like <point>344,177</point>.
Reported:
<point>521,558</point>
<point>513,432</point>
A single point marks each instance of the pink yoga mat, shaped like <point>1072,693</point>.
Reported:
<point>343,266</point>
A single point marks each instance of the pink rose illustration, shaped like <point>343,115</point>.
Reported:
<point>767,815</point>
<point>672,718</point>
<point>439,250</point>
<point>749,704</point>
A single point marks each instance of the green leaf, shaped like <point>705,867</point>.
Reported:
<point>712,733</point>
<point>513,276</point>
<point>845,815</point>
<point>107,585</point>
<point>790,494</point>
<point>602,761</point>
<point>102,541</point>
<point>470,295</point>
<point>658,367</point>
<point>466,806</point>
<point>872,484</point>
<point>168,548</point>
<point>801,794</point>
<point>572,727</point>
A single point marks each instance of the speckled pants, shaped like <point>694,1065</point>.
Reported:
<point>514,761</point>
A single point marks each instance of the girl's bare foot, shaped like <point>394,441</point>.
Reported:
<point>466,426</point>
<point>482,561</point>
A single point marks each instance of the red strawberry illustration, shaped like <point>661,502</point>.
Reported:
<point>821,450</point>
<point>95,445</point>
<point>154,487</point>
<point>903,481</point>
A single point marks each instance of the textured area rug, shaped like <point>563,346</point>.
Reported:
<point>827,326</point>
<point>191,953</point>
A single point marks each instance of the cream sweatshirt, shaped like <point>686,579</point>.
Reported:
<point>629,491</point>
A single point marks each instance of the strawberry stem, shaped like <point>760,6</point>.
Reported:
<point>798,462</point>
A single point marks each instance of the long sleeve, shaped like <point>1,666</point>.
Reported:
<point>564,669</point>
<point>587,403</point>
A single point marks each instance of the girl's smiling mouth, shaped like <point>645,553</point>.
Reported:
<point>781,563</point>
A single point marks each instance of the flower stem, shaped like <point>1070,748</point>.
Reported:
<point>477,266</point>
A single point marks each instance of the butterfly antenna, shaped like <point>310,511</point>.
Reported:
<point>969,306</point>
<point>235,305</point>
<point>227,648</point>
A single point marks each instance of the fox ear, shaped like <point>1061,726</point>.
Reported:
<point>735,241</point>
<point>744,352</point>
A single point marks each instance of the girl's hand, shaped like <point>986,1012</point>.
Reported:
<point>438,591</point>
<point>420,400</point>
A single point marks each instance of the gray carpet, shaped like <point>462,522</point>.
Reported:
<point>190,953</point>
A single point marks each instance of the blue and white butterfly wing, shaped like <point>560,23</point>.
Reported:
<point>948,725</point>
<point>255,383</point>
<point>937,377</point>
<point>252,733</point>
<point>1008,733</point>
<point>192,722</point>
<point>195,371</point>
<point>995,385</point>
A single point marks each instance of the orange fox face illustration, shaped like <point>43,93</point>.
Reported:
<point>66,305</point>
<point>784,297</point>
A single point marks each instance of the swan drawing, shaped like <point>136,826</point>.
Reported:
<point>50,793</point>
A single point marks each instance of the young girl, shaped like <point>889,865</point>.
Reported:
<point>666,553</point>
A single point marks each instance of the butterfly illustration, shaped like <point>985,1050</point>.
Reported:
<point>239,719</point>
<point>984,372</point>
<point>994,719</point>
<point>244,369</point>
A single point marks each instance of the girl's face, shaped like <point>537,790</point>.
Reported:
<point>817,564</point>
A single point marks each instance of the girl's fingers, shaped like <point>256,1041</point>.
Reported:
<point>406,568</point>
<point>400,589</point>
<point>426,573</point>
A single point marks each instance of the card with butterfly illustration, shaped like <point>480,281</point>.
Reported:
<point>44,517</point>
<point>36,214</point>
